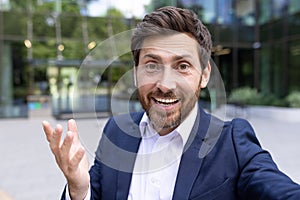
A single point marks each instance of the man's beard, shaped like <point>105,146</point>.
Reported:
<point>169,120</point>
<point>161,120</point>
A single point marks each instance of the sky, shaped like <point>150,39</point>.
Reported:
<point>128,7</point>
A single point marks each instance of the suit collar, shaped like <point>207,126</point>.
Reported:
<point>204,135</point>
<point>131,144</point>
<point>202,139</point>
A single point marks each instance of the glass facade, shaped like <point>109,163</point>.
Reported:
<point>263,38</point>
<point>256,44</point>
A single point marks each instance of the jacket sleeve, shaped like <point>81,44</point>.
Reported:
<point>260,178</point>
<point>63,195</point>
<point>96,169</point>
<point>95,174</point>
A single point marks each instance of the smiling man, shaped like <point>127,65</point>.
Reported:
<point>169,79</point>
<point>173,150</point>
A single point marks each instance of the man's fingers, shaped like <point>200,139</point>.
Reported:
<point>74,162</point>
<point>73,127</point>
<point>55,140</point>
<point>67,143</point>
<point>69,154</point>
<point>53,136</point>
<point>47,130</point>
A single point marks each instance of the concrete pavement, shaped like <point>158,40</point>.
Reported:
<point>28,170</point>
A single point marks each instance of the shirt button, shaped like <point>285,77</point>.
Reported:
<point>155,181</point>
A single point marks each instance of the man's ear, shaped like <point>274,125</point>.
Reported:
<point>135,75</point>
<point>205,75</point>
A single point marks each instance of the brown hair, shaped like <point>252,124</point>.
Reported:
<point>168,20</point>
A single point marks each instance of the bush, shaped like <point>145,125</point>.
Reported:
<point>250,96</point>
<point>244,95</point>
<point>293,99</point>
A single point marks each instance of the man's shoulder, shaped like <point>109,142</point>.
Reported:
<point>216,122</point>
<point>218,129</point>
<point>238,125</point>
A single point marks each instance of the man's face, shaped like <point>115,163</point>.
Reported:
<point>169,79</point>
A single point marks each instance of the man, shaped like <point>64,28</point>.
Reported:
<point>174,150</point>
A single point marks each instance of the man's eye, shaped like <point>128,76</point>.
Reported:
<point>152,67</point>
<point>183,67</point>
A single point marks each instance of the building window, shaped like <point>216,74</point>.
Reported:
<point>294,6</point>
<point>205,9</point>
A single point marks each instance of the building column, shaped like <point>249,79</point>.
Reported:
<point>256,47</point>
<point>6,78</point>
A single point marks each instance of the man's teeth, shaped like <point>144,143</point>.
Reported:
<point>166,101</point>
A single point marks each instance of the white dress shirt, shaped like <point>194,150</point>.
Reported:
<point>157,161</point>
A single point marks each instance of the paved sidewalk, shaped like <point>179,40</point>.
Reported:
<point>28,170</point>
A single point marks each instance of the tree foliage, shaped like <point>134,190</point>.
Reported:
<point>36,20</point>
<point>74,27</point>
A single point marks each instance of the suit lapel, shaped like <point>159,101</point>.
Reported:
<point>201,140</point>
<point>124,177</point>
<point>187,174</point>
<point>191,162</point>
<point>131,143</point>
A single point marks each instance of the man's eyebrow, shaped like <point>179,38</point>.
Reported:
<point>153,56</point>
<point>157,57</point>
<point>179,57</point>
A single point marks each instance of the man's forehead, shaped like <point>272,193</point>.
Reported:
<point>179,44</point>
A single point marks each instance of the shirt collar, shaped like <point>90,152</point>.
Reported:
<point>186,126</point>
<point>183,129</point>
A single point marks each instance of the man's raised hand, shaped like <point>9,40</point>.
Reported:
<point>70,157</point>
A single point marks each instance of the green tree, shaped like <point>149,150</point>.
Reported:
<point>154,4</point>
<point>193,5</point>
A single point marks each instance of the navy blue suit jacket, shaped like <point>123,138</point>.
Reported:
<point>221,160</point>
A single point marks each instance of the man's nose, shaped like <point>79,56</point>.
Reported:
<point>167,80</point>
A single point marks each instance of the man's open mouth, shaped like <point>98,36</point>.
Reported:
<point>166,101</point>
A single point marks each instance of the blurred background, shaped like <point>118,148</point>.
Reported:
<point>43,43</point>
